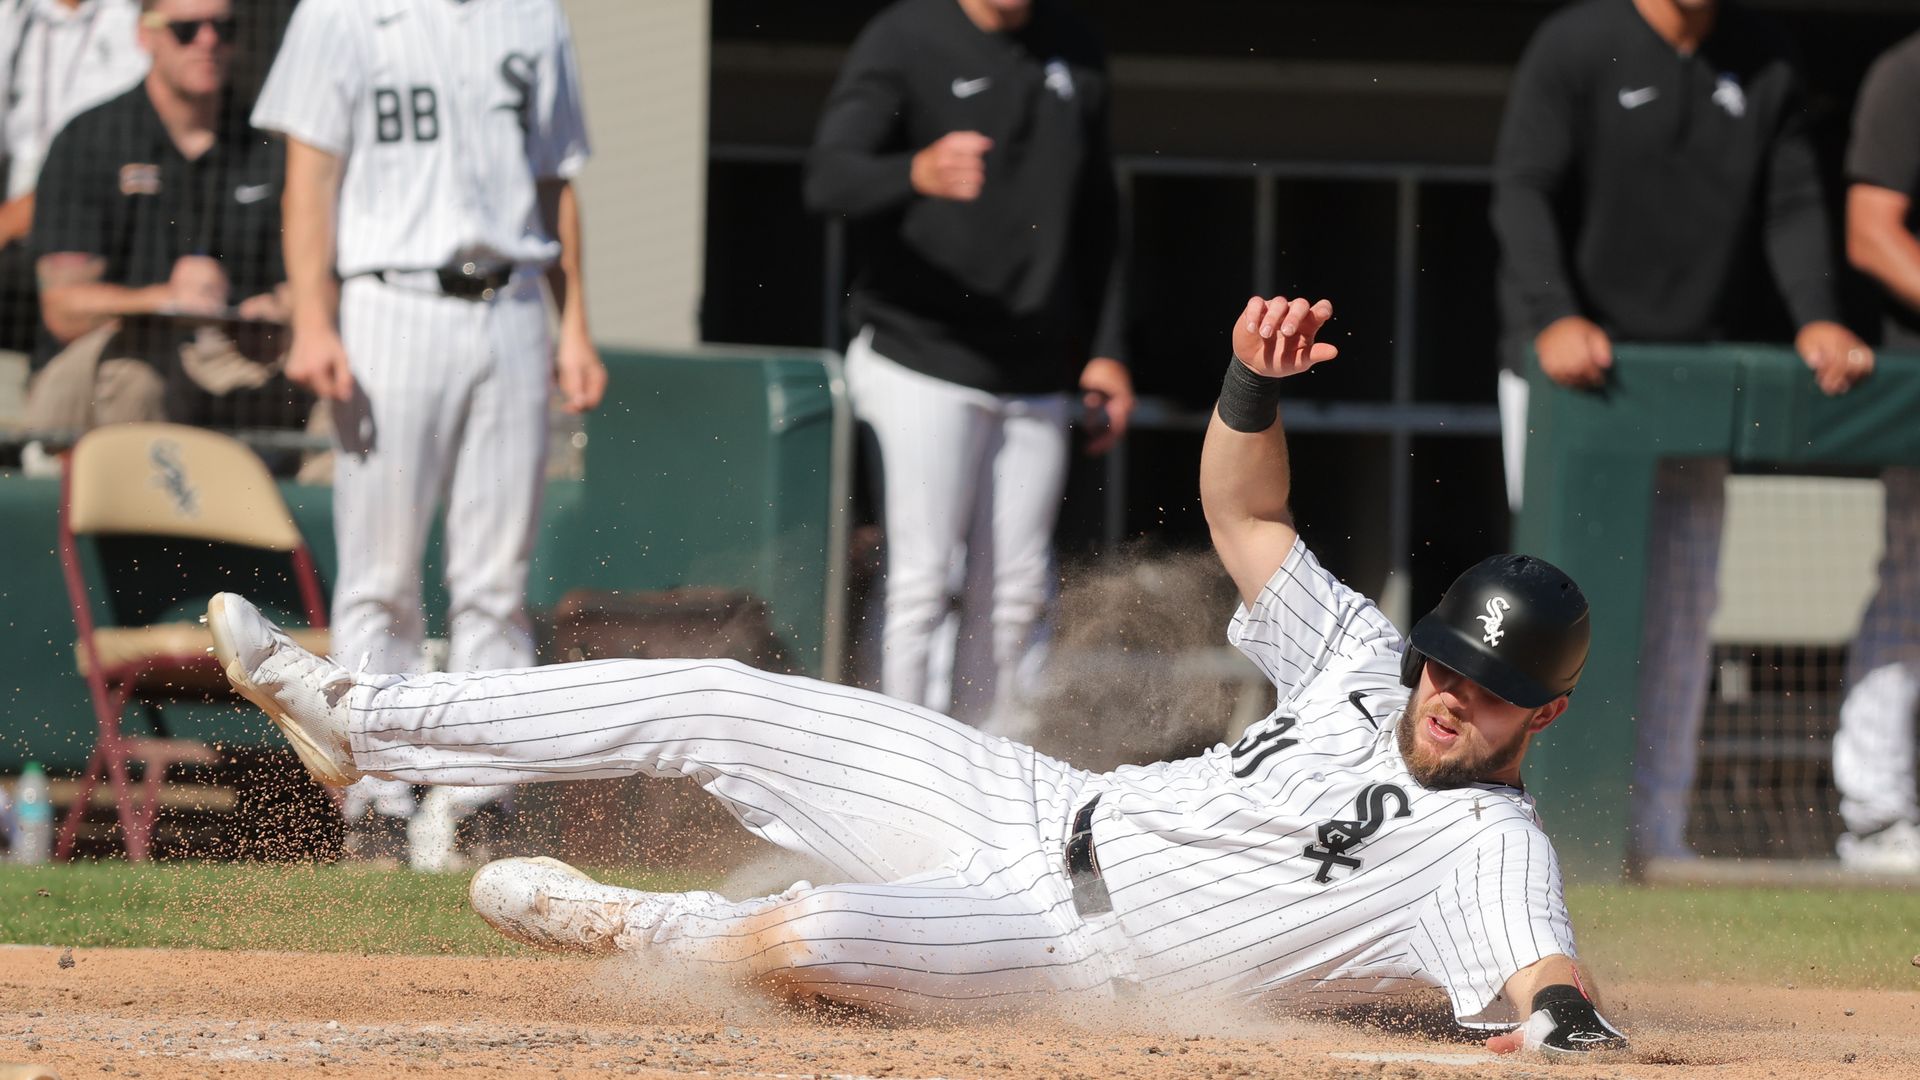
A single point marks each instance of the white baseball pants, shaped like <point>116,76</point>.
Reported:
<point>953,840</point>
<point>449,408</point>
<point>1873,751</point>
<point>1874,748</point>
<point>972,488</point>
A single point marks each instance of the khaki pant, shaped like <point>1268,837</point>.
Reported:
<point>84,386</point>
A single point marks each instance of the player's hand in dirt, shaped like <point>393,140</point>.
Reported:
<point>1564,1024</point>
<point>318,361</point>
<point>952,166</point>
<point>1838,357</point>
<point>1276,337</point>
<point>581,375</point>
<point>1106,388</point>
<point>1574,352</point>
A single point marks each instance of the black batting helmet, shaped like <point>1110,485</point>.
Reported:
<point>1515,624</point>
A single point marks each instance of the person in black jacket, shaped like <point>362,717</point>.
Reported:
<point>1651,150</point>
<point>967,142</point>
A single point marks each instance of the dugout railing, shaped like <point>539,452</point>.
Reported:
<point>1397,420</point>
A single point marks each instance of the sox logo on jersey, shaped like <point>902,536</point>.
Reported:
<point>1337,837</point>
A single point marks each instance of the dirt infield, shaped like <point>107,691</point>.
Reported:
<point>164,1015</point>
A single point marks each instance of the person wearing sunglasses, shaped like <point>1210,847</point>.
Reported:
<point>160,202</point>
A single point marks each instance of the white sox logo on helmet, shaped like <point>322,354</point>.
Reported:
<point>1497,609</point>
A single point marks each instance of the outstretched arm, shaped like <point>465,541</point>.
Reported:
<point>1245,479</point>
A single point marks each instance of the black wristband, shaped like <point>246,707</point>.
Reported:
<point>1248,402</point>
<point>1560,994</point>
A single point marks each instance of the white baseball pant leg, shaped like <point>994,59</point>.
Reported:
<point>1514,395</point>
<point>968,475</point>
<point>449,405</point>
<point>1683,562</point>
<point>1873,750</point>
<point>953,839</point>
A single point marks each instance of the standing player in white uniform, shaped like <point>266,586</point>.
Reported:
<point>430,149</point>
<point>1358,841</point>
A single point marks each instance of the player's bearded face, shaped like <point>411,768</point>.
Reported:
<point>1455,732</point>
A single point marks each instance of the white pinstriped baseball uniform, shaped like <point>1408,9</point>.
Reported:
<point>446,116</point>
<point>1303,864</point>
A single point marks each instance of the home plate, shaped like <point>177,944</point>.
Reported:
<point>1428,1059</point>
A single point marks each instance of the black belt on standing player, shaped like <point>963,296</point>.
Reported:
<point>1083,866</point>
<point>466,281</point>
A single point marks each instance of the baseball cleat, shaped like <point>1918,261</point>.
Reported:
<point>545,903</point>
<point>304,694</point>
<point>1894,849</point>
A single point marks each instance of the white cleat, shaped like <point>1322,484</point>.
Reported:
<point>304,694</point>
<point>546,903</point>
<point>1892,850</point>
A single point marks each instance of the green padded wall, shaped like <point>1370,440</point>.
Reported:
<point>705,467</point>
<point>1589,485</point>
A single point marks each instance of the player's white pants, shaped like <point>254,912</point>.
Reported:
<point>972,487</point>
<point>1873,753</point>
<point>954,840</point>
<point>449,407</point>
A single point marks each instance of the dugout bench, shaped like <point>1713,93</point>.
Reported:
<point>1589,486</point>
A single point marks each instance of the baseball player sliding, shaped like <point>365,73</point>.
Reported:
<point>430,151</point>
<point>1369,837</point>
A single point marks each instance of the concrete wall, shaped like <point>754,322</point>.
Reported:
<point>644,68</point>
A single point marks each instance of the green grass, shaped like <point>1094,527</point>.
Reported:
<point>1843,938</point>
<point>1857,938</point>
<point>253,906</point>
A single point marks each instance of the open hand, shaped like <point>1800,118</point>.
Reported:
<point>318,361</point>
<point>580,373</point>
<point>1275,337</point>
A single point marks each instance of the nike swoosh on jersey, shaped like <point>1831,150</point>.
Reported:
<point>251,193</point>
<point>966,88</point>
<point>1633,99</point>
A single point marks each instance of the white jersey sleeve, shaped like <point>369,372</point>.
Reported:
<point>1502,910</point>
<point>557,146</point>
<point>314,85</point>
<point>12,24</point>
<point>1305,623</point>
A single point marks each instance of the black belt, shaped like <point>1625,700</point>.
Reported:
<point>468,281</point>
<point>1083,866</point>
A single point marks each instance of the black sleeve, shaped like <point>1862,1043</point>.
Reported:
<point>1104,237</point>
<point>68,214</point>
<point>859,164</point>
<point>1799,240</point>
<point>1531,164</point>
<point>1885,150</point>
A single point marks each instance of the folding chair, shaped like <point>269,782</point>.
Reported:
<point>182,484</point>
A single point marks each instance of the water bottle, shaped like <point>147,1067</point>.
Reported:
<point>32,816</point>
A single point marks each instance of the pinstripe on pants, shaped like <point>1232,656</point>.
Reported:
<point>952,839</point>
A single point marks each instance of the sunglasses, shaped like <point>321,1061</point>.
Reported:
<point>185,31</point>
